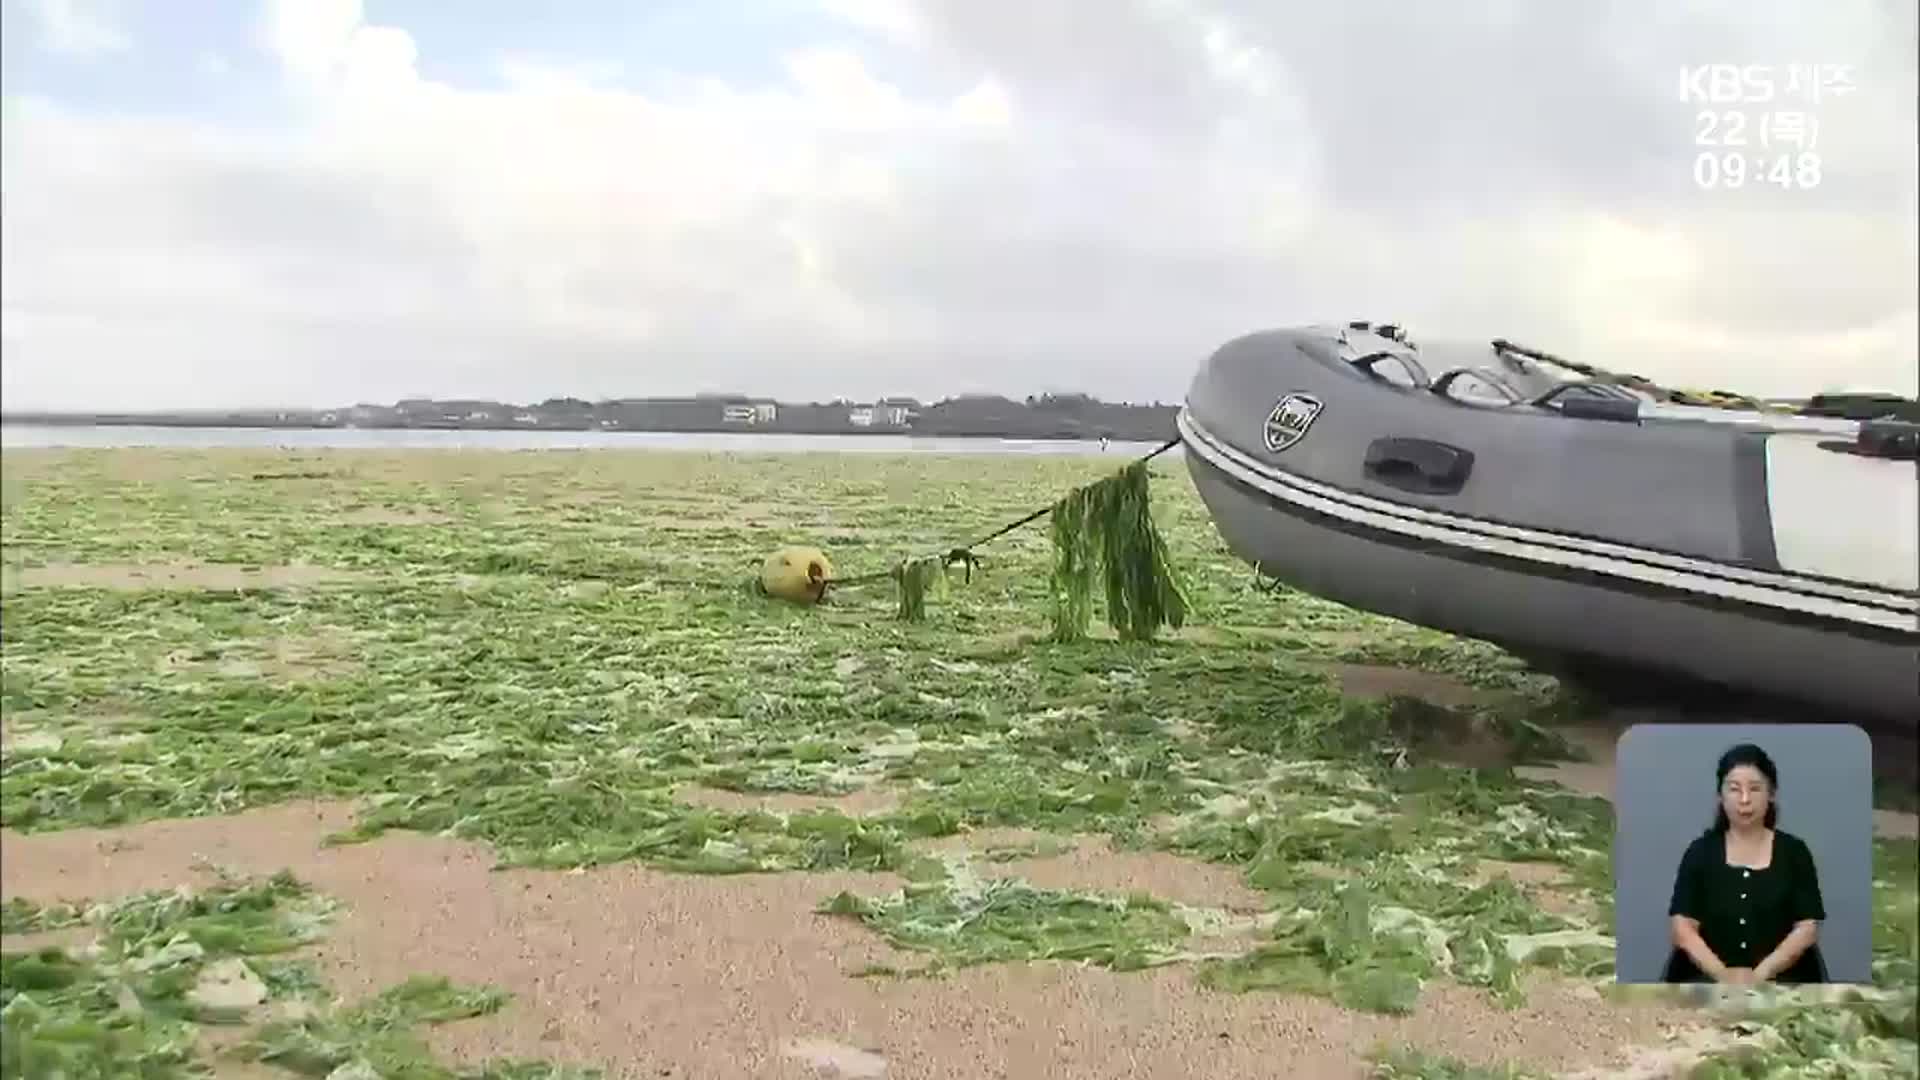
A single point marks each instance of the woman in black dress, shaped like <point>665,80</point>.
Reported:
<point>1746,900</point>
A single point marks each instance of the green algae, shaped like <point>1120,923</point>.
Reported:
<point>130,1001</point>
<point>531,656</point>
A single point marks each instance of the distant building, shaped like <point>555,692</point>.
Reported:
<point>754,412</point>
<point>887,412</point>
<point>896,411</point>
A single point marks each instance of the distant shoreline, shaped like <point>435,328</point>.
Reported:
<point>1056,417</point>
<point>890,432</point>
<point>35,437</point>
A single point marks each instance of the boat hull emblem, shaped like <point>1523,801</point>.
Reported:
<point>1288,422</point>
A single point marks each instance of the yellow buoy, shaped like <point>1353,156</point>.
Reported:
<point>799,574</point>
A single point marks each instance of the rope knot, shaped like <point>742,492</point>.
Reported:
<point>962,557</point>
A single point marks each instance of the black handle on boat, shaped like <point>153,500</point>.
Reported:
<point>1863,407</point>
<point>1894,439</point>
<point>1419,465</point>
<point>1585,407</point>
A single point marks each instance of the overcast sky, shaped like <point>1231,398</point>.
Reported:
<point>208,202</point>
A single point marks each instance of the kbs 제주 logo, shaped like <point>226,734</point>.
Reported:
<point>1288,422</point>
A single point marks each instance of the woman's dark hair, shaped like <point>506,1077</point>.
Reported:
<point>1749,755</point>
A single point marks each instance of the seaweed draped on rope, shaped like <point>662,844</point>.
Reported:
<point>917,578</point>
<point>1104,537</point>
<point>1106,530</point>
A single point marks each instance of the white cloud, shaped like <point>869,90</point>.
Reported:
<point>84,28</point>
<point>846,95</point>
<point>1046,201</point>
<point>312,38</point>
<point>895,19</point>
<point>988,105</point>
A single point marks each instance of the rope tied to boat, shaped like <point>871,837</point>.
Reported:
<point>1104,529</point>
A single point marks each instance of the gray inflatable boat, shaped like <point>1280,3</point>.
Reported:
<point>1491,491</point>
